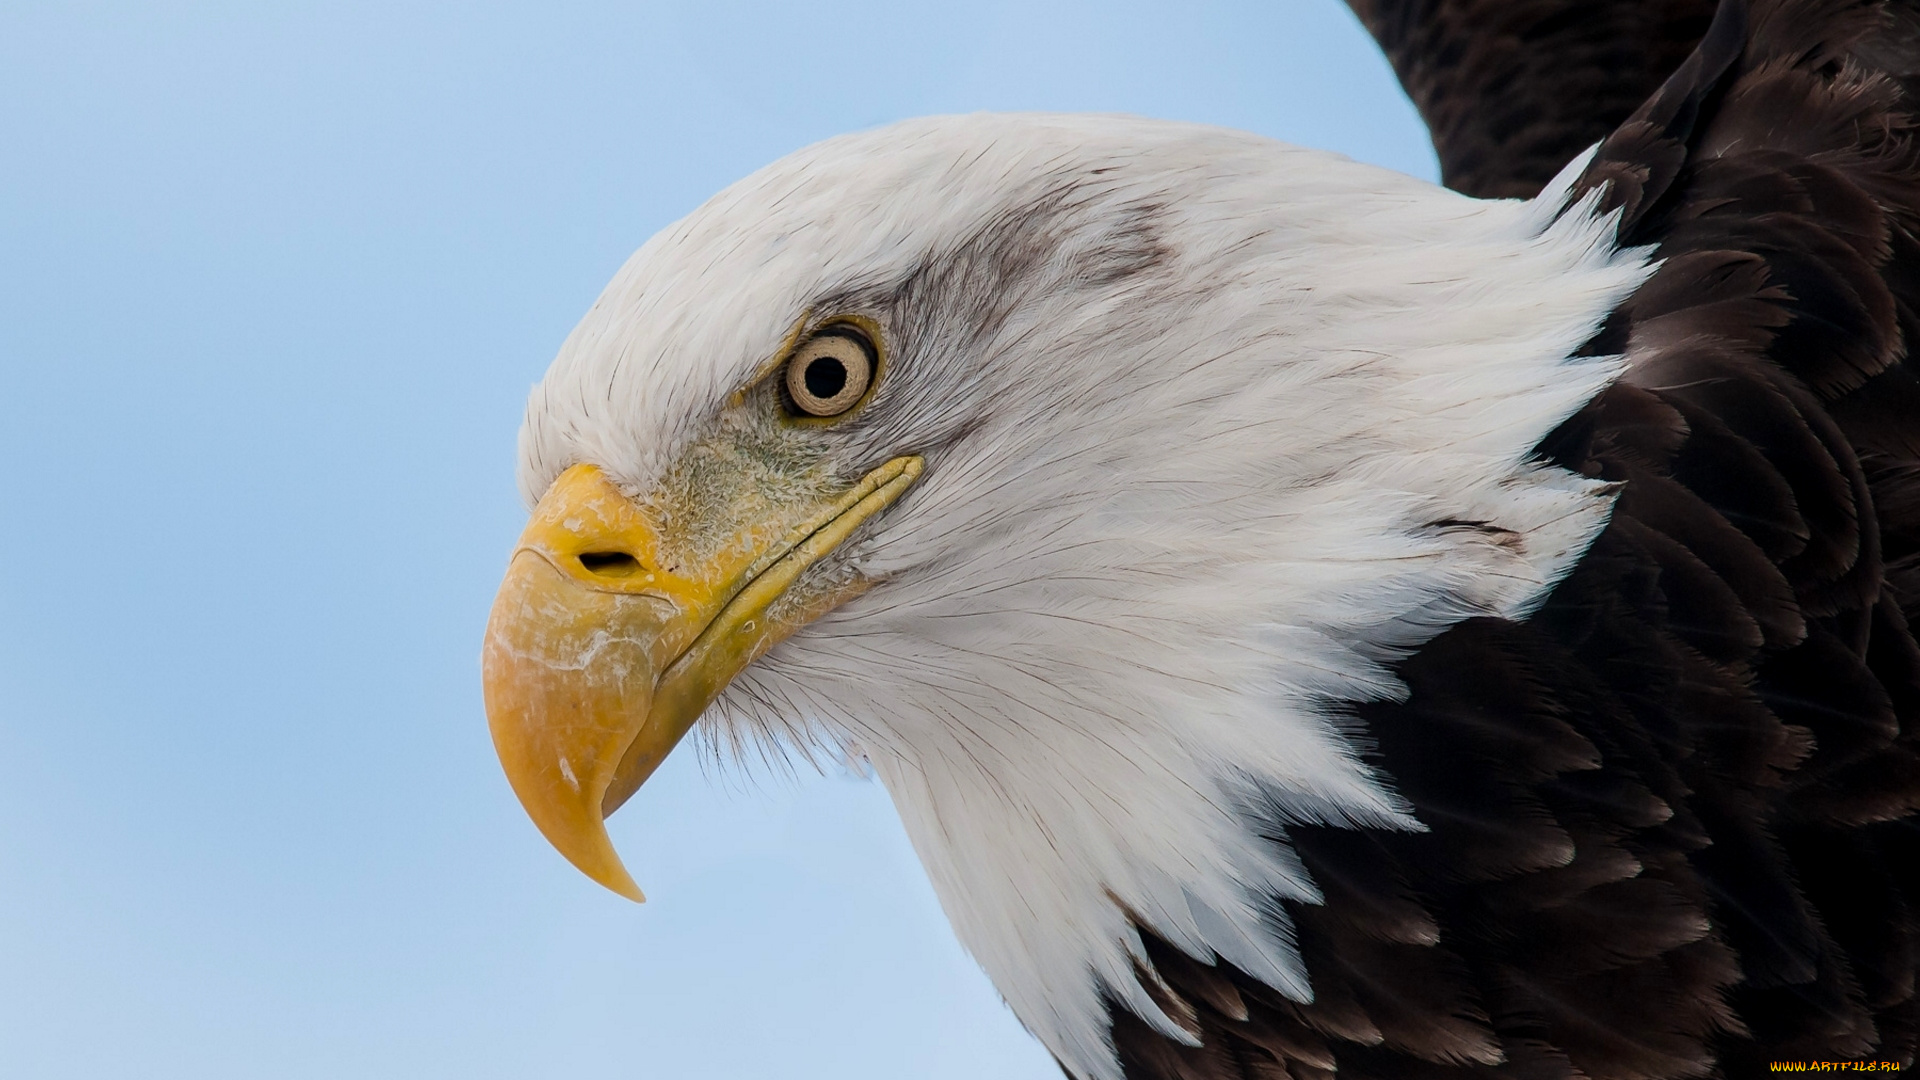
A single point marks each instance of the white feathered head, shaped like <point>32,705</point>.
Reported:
<point>1075,472</point>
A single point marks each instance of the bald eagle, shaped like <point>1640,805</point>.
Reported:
<point>1311,622</point>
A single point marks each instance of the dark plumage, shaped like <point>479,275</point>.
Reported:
<point>1672,815</point>
<point>1512,89</point>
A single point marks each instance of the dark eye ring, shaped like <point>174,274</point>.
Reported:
<point>831,372</point>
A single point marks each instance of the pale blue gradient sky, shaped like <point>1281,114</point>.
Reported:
<point>274,279</point>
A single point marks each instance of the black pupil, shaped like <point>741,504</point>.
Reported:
<point>825,377</point>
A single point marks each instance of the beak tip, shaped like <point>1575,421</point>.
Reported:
<point>591,852</point>
<point>597,859</point>
<point>625,886</point>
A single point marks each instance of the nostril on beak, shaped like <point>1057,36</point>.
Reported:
<point>610,563</point>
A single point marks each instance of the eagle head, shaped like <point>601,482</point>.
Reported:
<point>1076,473</point>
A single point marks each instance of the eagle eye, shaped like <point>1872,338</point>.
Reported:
<point>831,372</point>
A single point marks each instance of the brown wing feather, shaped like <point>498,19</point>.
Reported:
<point>1672,816</point>
<point>1513,89</point>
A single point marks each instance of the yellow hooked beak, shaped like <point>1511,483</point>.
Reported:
<point>601,654</point>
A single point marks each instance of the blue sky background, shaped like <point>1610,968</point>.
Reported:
<point>274,280</point>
